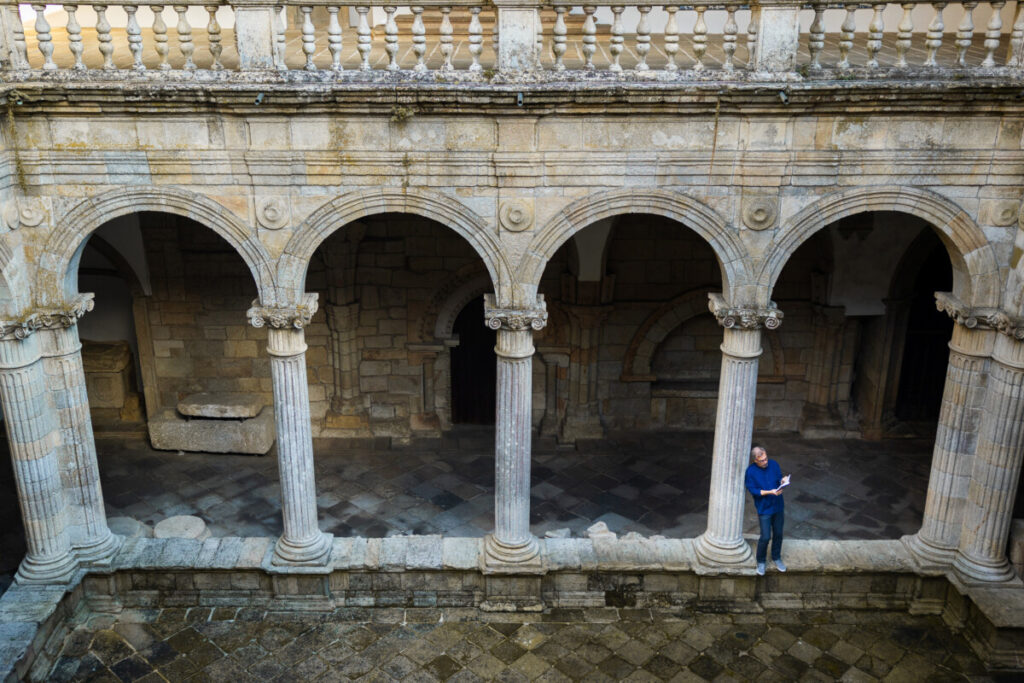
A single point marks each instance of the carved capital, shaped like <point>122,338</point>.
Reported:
<point>289,317</point>
<point>744,318</point>
<point>979,318</point>
<point>513,318</point>
<point>48,318</point>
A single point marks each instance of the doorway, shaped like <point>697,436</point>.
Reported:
<point>474,367</point>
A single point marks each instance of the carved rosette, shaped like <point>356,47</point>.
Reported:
<point>760,213</point>
<point>744,318</point>
<point>515,319</point>
<point>48,318</point>
<point>979,318</point>
<point>516,215</point>
<point>288,317</point>
<point>272,212</point>
<point>27,212</point>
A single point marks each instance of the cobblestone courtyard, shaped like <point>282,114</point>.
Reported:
<point>240,645</point>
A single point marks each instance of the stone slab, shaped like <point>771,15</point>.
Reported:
<point>460,553</point>
<point>182,526</point>
<point>221,405</point>
<point>255,436</point>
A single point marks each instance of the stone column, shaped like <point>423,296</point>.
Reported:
<point>34,442</point>
<point>821,413</point>
<point>62,361</point>
<point>556,364</point>
<point>342,321</point>
<point>512,548</point>
<point>722,543</point>
<point>995,472</point>
<point>582,414</point>
<point>302,542</point>
<point>956,438</point>
<point>13,53</point>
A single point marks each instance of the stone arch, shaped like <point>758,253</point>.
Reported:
<point>445,306</point>
<point>56,281</point>
<point>975,269</point>
<point>353,206</point>
<point>636,366</point>
<point>1014,297</point>
<point>681,208</point>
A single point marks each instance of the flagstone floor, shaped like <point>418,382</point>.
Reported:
<point>244,644</point>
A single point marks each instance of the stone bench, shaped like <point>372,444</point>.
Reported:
<point>212,422</point>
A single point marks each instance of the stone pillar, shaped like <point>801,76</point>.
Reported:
<point>778,38</point>
<point>582,413</point>
<point>995,472</point>
<point>13,54</point>
<point>62,353</point>
<point>556,364</point>
<point>518,26</point>
<point>512,548</point>
<point>342,321</point>
<point>256,26</point>
<point>722,543</point>
<point>302,542</point>
<point>956,438</point>
<point>34,442</point>
<point>821,413</point>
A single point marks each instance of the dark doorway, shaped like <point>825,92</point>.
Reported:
<point>926,352</point>
<point>473,367</point>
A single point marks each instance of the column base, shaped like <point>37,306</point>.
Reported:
<point>99,551</point>
<point>315,552</point>
<point>502,558</point>
<point>714,552</point>
<point>972,570</point>
<point>929,555</point>
<point>58,570</point>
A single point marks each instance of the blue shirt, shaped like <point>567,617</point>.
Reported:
<point>766,479</point>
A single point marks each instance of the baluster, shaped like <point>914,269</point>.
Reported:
<point>134,37</point>
<point>160,36</point>
<point>671,38</point>
<point>494,36</point>
<point>846,33</point>
<point>933,38</point>
<point>279,38</point>
<point>185,36</point>
<point>700,38</point>
<point>643,37</point>
<point>876,29</point>
<point>589,36</point>
<point>419,39</point>
<point>391,38</point>
<point>964,33</point>
<point>1017,36</point>
<point>334,37</point>
<point>992,33</point>
<point>43,37</point>
<point>446,39</point>
<point>308,36</point>
<point>615,48</point>
<point>817,36</point>
<point>75,36</point>
<point>20,46</point>
<point>364,38</point>
<point>755,17</point>
<point>103,33</point>
<point>476,39</point>
<point>558,39</point>
<point>729,37</point>
<point>213,35</point>
<point>904,35</point>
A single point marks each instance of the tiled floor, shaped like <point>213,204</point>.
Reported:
<point>650,483</point>
<point>241,645</point>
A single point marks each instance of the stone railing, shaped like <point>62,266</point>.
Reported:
<point>662,42</point>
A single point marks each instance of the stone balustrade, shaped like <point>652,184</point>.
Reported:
<point>659,42</point>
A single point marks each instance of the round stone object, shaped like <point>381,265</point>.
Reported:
<point>220,405</point>
<point>129,528</point>
<point>182,526</point>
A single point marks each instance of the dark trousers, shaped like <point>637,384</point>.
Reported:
<point>771,529</point>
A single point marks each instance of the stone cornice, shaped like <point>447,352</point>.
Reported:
<point>281,318</point>
<point>743,318</point>
<point>48,318</point>
<point>515,319</point>
<point>979,318</point>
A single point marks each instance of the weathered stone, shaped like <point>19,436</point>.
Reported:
<point>220,405</point>
<point>254,436</point>
<point>600,530</point>
<point>182,526</point>
<point>128,527</point>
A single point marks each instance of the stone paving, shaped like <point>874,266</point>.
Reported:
<point>244,644</point>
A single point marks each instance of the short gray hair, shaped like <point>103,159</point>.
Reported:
<point>755,450</point>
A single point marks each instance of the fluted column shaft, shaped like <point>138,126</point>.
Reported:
<point>34,442</point>
<point>512,544</point>
<point>996,468</point>
<point>956,438</point>
<point>723,542</point>
<point>582,418</point>
<point>87,518</point>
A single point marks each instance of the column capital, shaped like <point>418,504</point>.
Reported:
<point>744,318</point>
<point>515,319</point>
<point>48,318</point>
<point>979,318</point>
<point>284,317</point>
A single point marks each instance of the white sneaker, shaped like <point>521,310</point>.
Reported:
<point>780,565</point>
<point>760,568</point>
